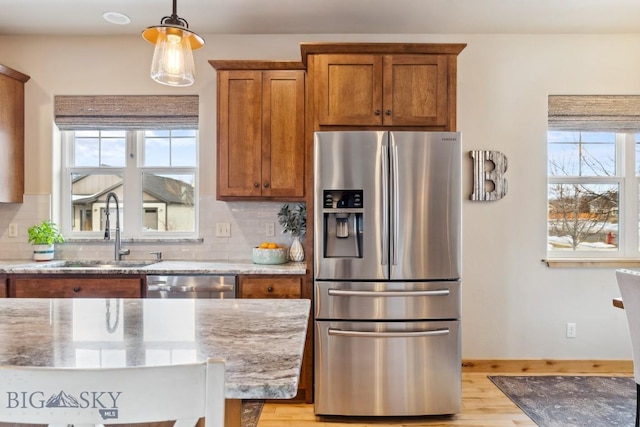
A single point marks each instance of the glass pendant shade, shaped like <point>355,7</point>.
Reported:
<point>172,63</point>
<point>173,59</point>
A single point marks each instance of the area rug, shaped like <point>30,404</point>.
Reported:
<point>251,410</point>
<point>572,401</point>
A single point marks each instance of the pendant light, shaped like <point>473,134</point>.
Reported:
<point>172,59</point>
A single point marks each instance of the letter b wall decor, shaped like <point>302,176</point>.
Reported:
<point>488,175</point>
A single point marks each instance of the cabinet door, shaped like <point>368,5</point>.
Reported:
<point>283,133</point>
<point>11,138</point>
<point>239,133</point>
<point>75,287</point>
<point>270,287</point>
<point>415,90</point>
<point>349,89</point>
<point>3,286</point>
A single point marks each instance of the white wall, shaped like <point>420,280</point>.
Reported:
<point>513,305</point>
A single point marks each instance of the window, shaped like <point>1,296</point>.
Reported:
<point>152,172</point>
<point>593,171</point>
<point>143,149</point>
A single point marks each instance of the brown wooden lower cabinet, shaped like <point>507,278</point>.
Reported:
<point>3,285</point>
<point>285,286</point>
<point>75,286</point>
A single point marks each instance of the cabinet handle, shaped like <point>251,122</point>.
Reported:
<point>388,112</point>
<point>377,112</point>
<point>76,289</point>
<point>266,185</point>
<point>256,185</point>
<point>270,289</point>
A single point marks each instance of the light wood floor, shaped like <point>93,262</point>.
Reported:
<point>482,405</point>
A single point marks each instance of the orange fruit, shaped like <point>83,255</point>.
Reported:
<point>273,246</point>
<point>264,245</point>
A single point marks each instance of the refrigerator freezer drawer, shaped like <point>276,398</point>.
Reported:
<point>387,300</point>
<point>387,368</point>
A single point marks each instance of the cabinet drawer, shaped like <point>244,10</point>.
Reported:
<point>276,287</point>
<point>103,287</point>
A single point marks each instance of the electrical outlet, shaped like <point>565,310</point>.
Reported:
<point>571,330</point>
<point>223,229</point>
<point>269,229</point>
<point>13,230</point>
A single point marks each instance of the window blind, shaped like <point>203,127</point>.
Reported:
<point>610,113</point>
<point>126,112</point>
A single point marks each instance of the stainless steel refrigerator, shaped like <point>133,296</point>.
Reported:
<point>387,226</point>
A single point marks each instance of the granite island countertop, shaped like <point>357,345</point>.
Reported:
<point>163,267</point>
<point>261,341</point>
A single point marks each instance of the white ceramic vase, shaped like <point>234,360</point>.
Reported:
<point>42,252</point>
<point>296,251</point>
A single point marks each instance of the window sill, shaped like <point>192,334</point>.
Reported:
<point>592,263</point>
<point>139,240</point>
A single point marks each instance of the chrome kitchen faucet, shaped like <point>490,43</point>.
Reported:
<point>118,251</point>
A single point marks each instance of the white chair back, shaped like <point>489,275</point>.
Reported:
<point>629,284</point>
<point>43,395</point>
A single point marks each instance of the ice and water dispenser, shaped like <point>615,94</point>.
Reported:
<point>343,223</point>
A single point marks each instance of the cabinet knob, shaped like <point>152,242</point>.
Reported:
<point>388,112</point>
<point>270,289</point>
<point>256,185</point>
<point>266,185</point>
<point>377,112</point>
<point>76,289</point>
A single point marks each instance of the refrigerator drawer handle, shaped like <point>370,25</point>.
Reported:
<point>181,288</point>
<point>417,334</point>
<point>434,293</point>
<point>164,287</point>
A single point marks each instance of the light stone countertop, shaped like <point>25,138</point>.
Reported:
<point>261,340</point>
<point>164,267</point>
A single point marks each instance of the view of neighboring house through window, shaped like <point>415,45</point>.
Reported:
<point>152,172</point>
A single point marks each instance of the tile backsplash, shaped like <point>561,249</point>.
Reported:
<point>247,221</point>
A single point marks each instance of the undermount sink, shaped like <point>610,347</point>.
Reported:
<point>105,264</point>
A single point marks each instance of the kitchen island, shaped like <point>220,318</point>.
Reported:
<point>261,341</point>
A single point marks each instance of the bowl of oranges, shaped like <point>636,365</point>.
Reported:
<point>270,253</point>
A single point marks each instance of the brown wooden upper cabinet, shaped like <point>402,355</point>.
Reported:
<point>11,134</point>
<point>383,84</point>
<point>260,130</point>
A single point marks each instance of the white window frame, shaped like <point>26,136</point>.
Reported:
<point>628,219</point>
<point>132,172</point>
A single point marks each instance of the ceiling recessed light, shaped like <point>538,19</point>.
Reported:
<point>116,18</point>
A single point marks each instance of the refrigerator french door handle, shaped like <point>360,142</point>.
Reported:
<point>394,205</point>
<point>384,177</point>
<point>433,293</point>
<point>408,334</point>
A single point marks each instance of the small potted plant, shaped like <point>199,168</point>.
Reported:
<point>294,221</point>
<point>44,236</point>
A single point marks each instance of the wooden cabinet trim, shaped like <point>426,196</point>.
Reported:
<point>307,49</point>
<point>16,75</point>
<point>242,64</point>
